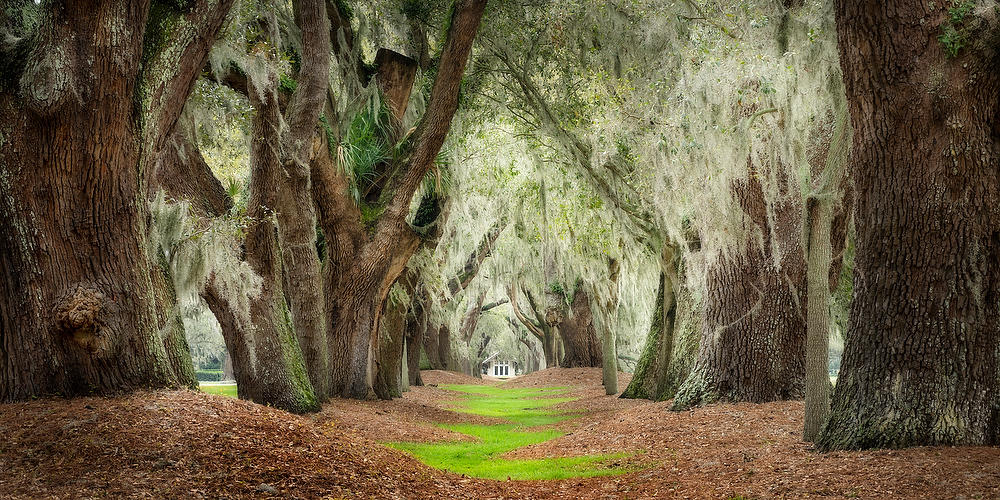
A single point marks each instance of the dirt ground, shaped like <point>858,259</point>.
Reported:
<point>183,444</point>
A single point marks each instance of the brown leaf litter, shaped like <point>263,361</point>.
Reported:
<point>183,444</point>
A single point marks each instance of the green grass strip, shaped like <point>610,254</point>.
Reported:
<point>524,408</point>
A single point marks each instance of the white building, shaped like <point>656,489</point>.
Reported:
<point>494,366</point>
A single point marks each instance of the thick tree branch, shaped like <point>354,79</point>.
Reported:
<point>434,127</point>
<point>493,305</point>
<point>474,262</point>
<point>181,42</point>
<point>532,327</point>
<point>306,103</point>
<point>471,318</point>
<point>181,172</point>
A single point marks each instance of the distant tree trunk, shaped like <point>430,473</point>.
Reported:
<point>609,373</point>
<point>388,380</point>
<point>666,360</point>
<point>609,325</point>
<point>753,342</point>
<point>78,312</point>
<point>415,328</point>
<point>432,349</point>
<point>920,364</point>
<point>227,368</point>
<point>818,321</point>
<point>171,325</point>
<point>583,348</point>
<point>650,378</point>
<point>405,370</point>
<point>824,237</point>
<point>236,333</point>
<point>539,325</point>
<point>444,347</point>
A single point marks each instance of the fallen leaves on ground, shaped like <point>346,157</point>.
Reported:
<point>183,444</point>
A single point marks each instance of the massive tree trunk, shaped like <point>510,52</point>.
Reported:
<point>753,339</point>
<point>920,361</point>
<point>583,347</point>
<point>82,115</point>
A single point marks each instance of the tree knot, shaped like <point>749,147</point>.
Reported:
<point>78,315</point>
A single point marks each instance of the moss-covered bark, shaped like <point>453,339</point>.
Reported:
<point>752,344</point>
<point>389,372</point>
<point>171,325</point>
<point>667,356</point>
<point>78,309</point>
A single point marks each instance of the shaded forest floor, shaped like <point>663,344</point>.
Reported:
<point>183,444</point>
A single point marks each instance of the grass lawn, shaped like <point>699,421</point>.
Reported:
<point>220,389</point>
<point>524,408</point>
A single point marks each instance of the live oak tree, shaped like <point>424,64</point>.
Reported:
<point>920,363</point>
<point>368,263</point>
<point>288,333</point>
<point>89,95</point>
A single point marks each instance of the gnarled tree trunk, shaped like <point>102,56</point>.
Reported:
<point>753,340</point>
<point>920,363</point>
<point>366,266</point>
<point>275,373</point>
<point>583,347</point>
<point>82,115</point>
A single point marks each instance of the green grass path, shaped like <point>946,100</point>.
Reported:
<point>524,408</point>
<point>220,389</point>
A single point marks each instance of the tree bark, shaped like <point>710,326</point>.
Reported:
<point>294,208</point>
<point>823,239</point>
<point>920,363</point>
<point>583,348</point>
<point>753,339</point>
<point>388,381</point>
<point>609,326</point>
<point>432,348</point>
<point>171,325</point>
<point>649,379</point>
<point>367,267</point>
<point>416,326</point>
<point>818,320</point>
<point>276,372</point>
<point>538,326</point>
<point>82,118</point>
<point>181,172</point>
